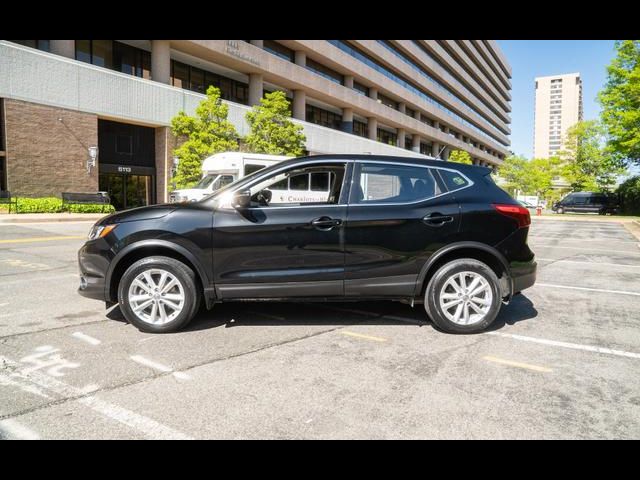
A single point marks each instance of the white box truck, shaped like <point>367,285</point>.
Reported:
<point>223,168</point>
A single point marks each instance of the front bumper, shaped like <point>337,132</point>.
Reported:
<point>93,268</point>
<point>523,275</point>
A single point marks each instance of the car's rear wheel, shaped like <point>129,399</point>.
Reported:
<point>158,294</point>
<point>463,296</point>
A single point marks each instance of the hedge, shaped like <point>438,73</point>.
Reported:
<point>54,205</point>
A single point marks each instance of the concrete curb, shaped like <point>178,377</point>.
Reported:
<point>50,217</point>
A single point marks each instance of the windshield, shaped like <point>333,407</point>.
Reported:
<point>205,182</point>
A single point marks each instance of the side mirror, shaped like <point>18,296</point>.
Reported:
<point>241,199</point>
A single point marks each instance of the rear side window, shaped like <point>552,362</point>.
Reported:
<point>453,180</point>
<point>382,183</point>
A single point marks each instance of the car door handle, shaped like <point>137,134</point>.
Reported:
<point>326,223</point>
<point>437,220</point>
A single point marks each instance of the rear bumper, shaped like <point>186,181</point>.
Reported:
<point>523,275</point>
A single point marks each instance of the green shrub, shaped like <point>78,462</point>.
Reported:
<point>54,205</point>
<point>629,192</point>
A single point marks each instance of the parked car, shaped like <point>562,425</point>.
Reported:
<point>411,230</point>
<point>587,202</point>
<point>528,205</point>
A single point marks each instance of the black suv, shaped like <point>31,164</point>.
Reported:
<point>587,202</point>
<point>413,230</point>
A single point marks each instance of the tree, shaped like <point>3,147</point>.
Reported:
<point>511,173</point>
<point>533,177</point>
<point>206,133</point>
<point>588,164</point>
<point>460,156</point>
<point>620,100</point>
<point>272,131</point>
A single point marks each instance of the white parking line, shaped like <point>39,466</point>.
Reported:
<point>158,366</point>
<point>12,430</point>
<point>565,239</point>
<point>86,338</point>
<point>620,292</point>
<point>607,250</point>
<point>574,346</point>
<point>40,279</point>
<point>558,260</point>
<point>145,425</point>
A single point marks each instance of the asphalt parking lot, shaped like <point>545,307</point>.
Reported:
<point>561,361</point>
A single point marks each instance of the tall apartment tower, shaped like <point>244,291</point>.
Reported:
<point>558,107</point>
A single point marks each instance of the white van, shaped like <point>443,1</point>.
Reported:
<point>223,168</point>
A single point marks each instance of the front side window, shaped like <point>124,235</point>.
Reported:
<point>318,184</point>
<point>382,183</point>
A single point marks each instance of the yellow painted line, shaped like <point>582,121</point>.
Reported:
<point>502,361</point>
<point>366,337</point>
<point>42,239</point>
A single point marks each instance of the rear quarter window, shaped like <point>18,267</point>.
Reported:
<point>453,180</point>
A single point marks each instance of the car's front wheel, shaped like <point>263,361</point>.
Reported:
<point>560,210</point>
<point>463,296</point>
<point>158,294</point>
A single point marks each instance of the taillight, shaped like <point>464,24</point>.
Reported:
<point>521,214</point>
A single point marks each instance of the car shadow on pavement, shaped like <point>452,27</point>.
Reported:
<point>520,308</point>
<point>264,314</point>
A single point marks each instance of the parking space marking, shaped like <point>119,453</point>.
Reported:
<point>511,363</point>
<point>564,239</point>
<point>619,252</point>
<point>556,260</point>
<point>13,430</point>
<point>158,366</point>
<point>86,338</point>
<point>40,279</point>
<point>366,337</point>
<point>43,239</point>
<point>145,425</point>
<point>574,346</point>
<point>567,287</point>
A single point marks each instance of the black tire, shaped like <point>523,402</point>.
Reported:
<point>434,287</point>
<point>185,276</point>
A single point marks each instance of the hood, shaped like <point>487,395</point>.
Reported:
<point>140,213</point>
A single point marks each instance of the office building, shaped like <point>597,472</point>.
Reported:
<point>60,98</point>
<point>558,106</point>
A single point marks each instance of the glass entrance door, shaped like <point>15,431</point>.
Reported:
<point>127,191</point>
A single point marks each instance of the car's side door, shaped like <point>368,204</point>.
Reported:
<point>399,214</point>
<point>282,249</point>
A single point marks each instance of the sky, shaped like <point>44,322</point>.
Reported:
<point>538,58</point>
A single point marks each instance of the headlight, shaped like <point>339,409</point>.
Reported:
<point>99,231</point>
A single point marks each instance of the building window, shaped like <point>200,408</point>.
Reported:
<point>43,45</point>
<point>326,72</point>
<point>180,75</point>
<point>387,101</point>
<point>359,88</point>
<point>278,49</point>
<point>95,52</point>
<point>360,129</point>
<point>408,142</point>
<point>323,117</point>
<point>198,80</point>
<point>410,112</point>
<point>385,136</point>
<point>426,149</point>
<point>131,60</point>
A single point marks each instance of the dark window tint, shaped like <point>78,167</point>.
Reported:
<point>299,182</point>
<point>453,180</point>
<point>320,182</point>
<point>225,180</point>
<point>378,183</point>
<point>250,168</point>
